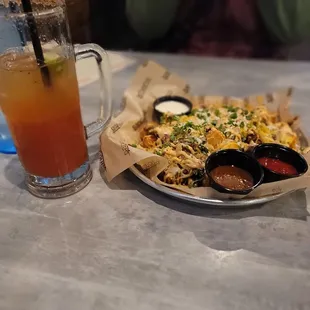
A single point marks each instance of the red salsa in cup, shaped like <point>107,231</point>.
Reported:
<point>277,165</point>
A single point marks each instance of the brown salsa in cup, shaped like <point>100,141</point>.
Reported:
<point>232,171</point>
<point>232,177</point>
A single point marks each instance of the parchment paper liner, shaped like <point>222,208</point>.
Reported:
<point>152,81</point>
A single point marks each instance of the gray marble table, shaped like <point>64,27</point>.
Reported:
<point>125,246</point>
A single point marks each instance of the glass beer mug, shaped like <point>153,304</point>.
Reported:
<point>40,100</point>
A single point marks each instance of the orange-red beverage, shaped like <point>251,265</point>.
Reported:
<point>45,121</point>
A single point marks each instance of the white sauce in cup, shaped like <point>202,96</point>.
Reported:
<point>174,107</point>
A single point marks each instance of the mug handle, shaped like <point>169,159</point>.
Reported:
<point>102,60</point>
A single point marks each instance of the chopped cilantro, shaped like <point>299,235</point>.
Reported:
<point>162,119</point>
<point>172,137</point>
<point>214,123</point>
<point>246,112</point>
<point>209,114</point>
<point>217,112</point>
<point>159,153</point>
<point>231,122</point>
<point>242,125</point>
<point>249,117</point>
<point>134,145</point>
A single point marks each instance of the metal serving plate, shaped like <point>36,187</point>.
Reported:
<point>241,203</point>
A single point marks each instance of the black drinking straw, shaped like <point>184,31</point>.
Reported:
<point>36,42</point>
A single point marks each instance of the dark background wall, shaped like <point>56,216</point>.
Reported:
<point>79,18</point>
<point>105,22</point>
<point>109,25</point>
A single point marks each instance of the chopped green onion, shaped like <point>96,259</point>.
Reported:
<point>234,115</point>
<point>201,116</point>
<point>203,149</point>
<point>221,127</point>
<point>193,111</point>
<point>166,144</point>
<point>232,109</point>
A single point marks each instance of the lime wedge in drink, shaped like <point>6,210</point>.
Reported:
<point>54,61</point>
